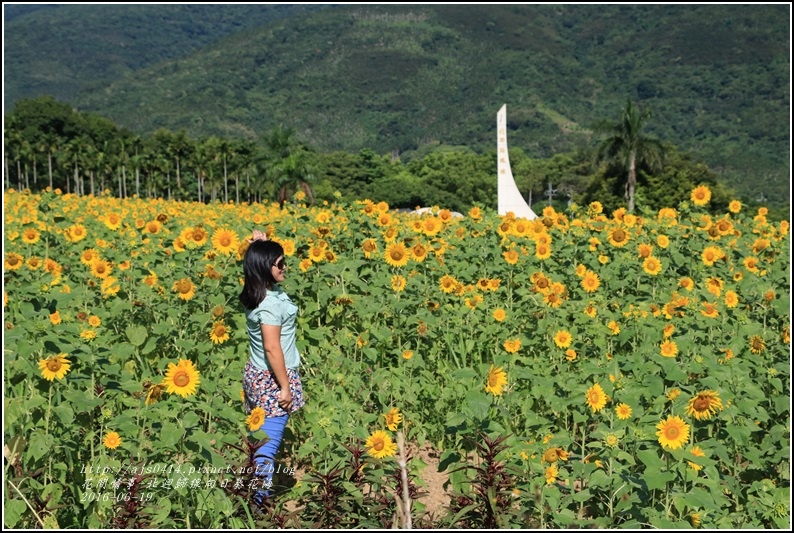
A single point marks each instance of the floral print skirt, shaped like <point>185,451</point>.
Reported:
<point>261,390</point>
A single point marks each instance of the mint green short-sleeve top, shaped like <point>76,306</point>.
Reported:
<point>275,310</point>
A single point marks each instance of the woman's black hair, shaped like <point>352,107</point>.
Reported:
<point>257,262</point>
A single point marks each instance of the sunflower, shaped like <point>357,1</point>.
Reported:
<point>398,283</point>
<point>408,354</point>
<point>697,451</point>
<point>88,334</point>
<point>623,411</point>
<point>554,454</point>
<point>495,381</point>
<point>757,344</point>
<point>725,227</point>
<point>735,206</point>
<point>89,256</point>
<point>704,405</point>
<point>701,195</point>
<point>595,208</point>
<point>751,264</point>
<point>113,221</point>
<point>614,327</point>
<point>101,268</point>
<point>596,398</point>
<point>611,440</point>
<point>185,289</point>
<point>541,282</point>
<point>418,252</point>
<point>499,314</point>
<point>618,237</point>
<point>590,281</point>
<point>511,256</point>
<point>75,233</point>
<point>54,367</point>
<point>672,394</point>
<point>153,227</point>
<point>709,310</point>
<point>668,349</point>
<point>672,432</point>
<point>663,241</point>
<point>380,445</point>
<point>562,339</point>
<point>711,254</point>
<point>553,300</point>
<point>475,213</point>
<point>652,266</point>
<point>431,226</point>
<point>542,251</point>
<point>255,420</point>
<point>714,286</point>
<point>396,255</point>
<point>55,318</point>
<point>151,279</point>
<point>94,321</point>
<point>384,220</point>
<point>225,241</point>
<point>686,283</point>
<point>13,261</point>
<point>112,440</point>
<point>512,345</point>
<point>317,253</point>
<point>551,474</point>
<point>393,418</point>
<point>390,234</point>
<point>155,392</point>
<point>197,237</point>
<point>570,355</point>
<point>644,250</point>
<point>30,236</point>
<point>33,262</point>
<point>590,311</point>
<point>448,283</point>
<point>181,379</point>
<point>219,333</point>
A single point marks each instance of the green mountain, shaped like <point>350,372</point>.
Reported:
<point>408,77</point>
<point>63,50</point>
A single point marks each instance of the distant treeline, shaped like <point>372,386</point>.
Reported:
<point>47,143</point>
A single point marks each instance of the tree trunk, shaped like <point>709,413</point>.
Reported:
<point>124,180</point>
<point>49,165</point>
<point>225,183</point>
<point>178,175</point>
<point>76,180</point>
<point>137,182</point>
<point>91,177</point>
<point>631,184</point>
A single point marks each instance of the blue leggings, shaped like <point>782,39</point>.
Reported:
<point>265,455</point>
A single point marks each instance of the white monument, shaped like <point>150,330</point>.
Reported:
<point>509,197</point>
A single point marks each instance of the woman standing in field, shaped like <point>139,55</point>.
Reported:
<point>270,379</point>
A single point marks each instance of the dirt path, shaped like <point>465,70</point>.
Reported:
<point>434,495</point>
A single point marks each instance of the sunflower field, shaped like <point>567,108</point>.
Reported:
<point>577,370</point>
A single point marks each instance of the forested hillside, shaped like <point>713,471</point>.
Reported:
<point>405,79</point>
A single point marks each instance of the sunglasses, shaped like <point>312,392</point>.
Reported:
<point>281,265</point>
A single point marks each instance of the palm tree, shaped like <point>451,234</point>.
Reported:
<point>288,165</point>
<point>629,146</point>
